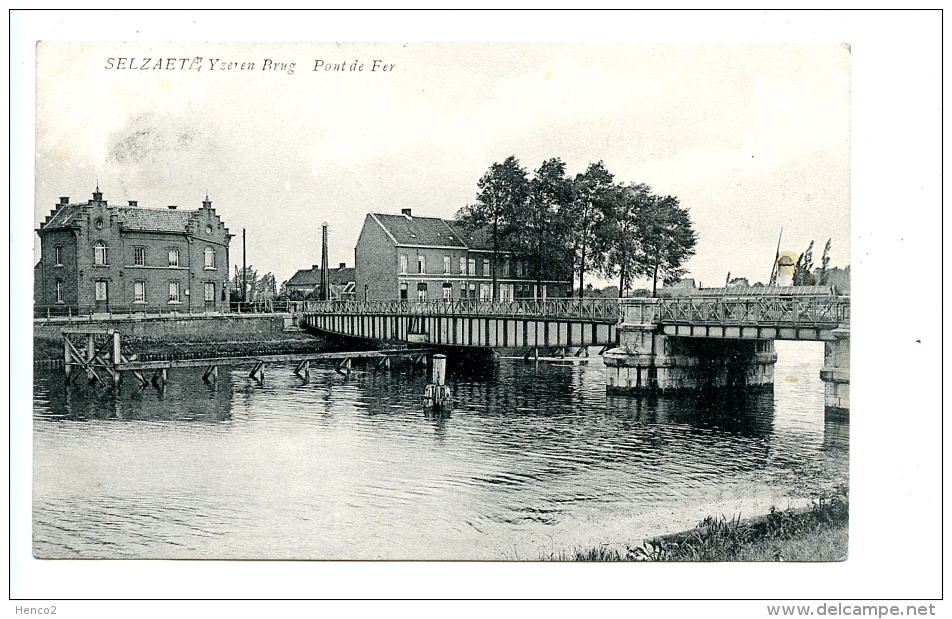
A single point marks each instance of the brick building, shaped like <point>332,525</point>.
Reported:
<point>427,258</point>
<point>308,282</point>
<point>96,258</point>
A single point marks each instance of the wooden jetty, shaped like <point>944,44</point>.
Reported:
<point>98,352</point>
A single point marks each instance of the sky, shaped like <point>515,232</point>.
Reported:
<point>749,137</point>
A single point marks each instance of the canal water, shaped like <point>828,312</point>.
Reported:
<point>533,461</point>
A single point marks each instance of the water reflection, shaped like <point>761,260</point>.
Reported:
<point>186,397</point>
<point>356,467</point>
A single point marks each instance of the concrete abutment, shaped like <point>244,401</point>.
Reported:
<point>647,362</point>
<point>836,372</point>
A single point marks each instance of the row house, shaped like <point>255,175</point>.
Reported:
<point>341,282</point>
<point>425,258</point>
<point>95,257</point>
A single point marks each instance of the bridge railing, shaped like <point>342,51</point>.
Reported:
<point>600,310</point>
<point>766,311</point>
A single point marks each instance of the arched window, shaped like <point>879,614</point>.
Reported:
<point>100,255</point>
<point>209,258</point>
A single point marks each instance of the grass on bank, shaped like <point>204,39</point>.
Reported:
<point>818,534</point>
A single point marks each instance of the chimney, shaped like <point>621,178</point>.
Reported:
<point>406,212</point>
<point>133,203</point>
<point>315,267</point>
<point>172,207</point>
<point>64,199</point>
<point>343,265</point>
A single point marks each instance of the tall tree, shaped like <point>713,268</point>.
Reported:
<point>666,240</point>
<point>825,262</point>
<point>619,233</point>
<point>540,228</point>
<point>803,269</point>
<point>503,191</point>
<point>593,194</point>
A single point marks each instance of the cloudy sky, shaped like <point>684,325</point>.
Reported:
<point>749,137</point>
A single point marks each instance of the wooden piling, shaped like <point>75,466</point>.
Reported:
<point>67,357</point>
<point>90,354</point>
<point>437,394</point>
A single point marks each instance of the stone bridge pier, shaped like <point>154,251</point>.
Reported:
<point>648,360</point>
<point>836,371</point>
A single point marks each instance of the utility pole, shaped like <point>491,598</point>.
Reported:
<point>325,284</point>
<point>244,268</point>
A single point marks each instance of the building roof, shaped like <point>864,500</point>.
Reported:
<point>424,231</point>
<point>65,217</point>
<point>312,277</point>
<point>129,217</point>
<point>433,232</point>
<point>154,220</point>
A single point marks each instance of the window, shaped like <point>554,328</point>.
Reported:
<point>138,292</point>
<point>462,266</point>
<point>100,253</point>
<point>403,263</point>
<point>485,292</point>
<point>138,256</point>
<point>59,291</point>
<point>462,291</point>
<point>486,272</point>
<point>518,269</point>
<point>403,292</point>
<point>58,256</point>
<point>102,290</point>
<point>210,260</point>
<point>174,293</point>
<point>421,291</point>
<point>505,268</point>
<point>447,292</point>
<point>472,266</point>
<point>421,264</point>
<point>209,292</point>
<point>173,257</point>
<point>446,265</point>
<point>505,292</point>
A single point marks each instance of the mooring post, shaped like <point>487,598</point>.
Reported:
<point>437,394</point>
<point>116,357</point>
<point>90,354</point>
<point>67,357</point>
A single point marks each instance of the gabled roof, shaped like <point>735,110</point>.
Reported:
<point>65,217</point>
<point>154,220</point>
<point>312,277</point>
<point>420,231</point>
<point>475,238</point>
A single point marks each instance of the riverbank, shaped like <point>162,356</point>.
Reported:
<point>817,533</point>
<point>159,338</point>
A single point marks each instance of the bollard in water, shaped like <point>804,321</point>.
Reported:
<point>437,394</point>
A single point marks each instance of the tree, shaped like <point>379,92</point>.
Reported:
<point>825,262</point>
<point>502,195</point>
<point>619,233</point>
<point>666,240</point>
<point>803,269</point>
<point>594,191</point>
<point>540,227</point>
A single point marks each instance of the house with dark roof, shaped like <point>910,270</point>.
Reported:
<point>426,258</point>
<point>95,257</point>
<point>342,283</point>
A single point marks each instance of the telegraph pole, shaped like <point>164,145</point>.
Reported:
<point>244,268</point>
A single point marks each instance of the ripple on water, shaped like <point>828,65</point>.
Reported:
<point>352,467</point>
